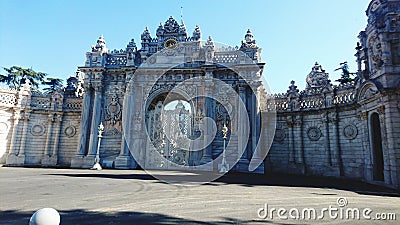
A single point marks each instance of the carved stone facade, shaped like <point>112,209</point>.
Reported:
<point>346,130</point>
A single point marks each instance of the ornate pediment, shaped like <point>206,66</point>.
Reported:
<point>367,91</point>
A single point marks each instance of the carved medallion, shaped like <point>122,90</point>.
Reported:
<point>113,110</point>
<point>314,133</point>
<point>70,131</point>
<point>38,130</point>
<point>152,59</point>
<point>170,44</point>
<point>350,131</point>
<point>280,135</point>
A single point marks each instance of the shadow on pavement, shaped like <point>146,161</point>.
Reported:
<point>83,217</point>
<point>251,180</point>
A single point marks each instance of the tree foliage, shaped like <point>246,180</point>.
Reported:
<point>54,84</point>
<point>16,76</point>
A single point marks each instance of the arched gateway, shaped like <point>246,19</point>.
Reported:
<point>168,102</point>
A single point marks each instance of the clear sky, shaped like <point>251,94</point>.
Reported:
<point>53,36</point>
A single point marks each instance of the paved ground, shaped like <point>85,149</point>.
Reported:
<point>133,197</point>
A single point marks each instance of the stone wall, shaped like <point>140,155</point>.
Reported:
<point>38,129</point>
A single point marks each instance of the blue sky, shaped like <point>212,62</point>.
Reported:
<point>53,36</point>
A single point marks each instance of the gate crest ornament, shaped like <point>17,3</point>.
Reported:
<point>113,110</point>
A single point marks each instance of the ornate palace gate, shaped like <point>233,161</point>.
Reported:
<point>169,129</point>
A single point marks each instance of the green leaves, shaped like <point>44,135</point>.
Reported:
<point>16,76</point>
<point>53,83</point>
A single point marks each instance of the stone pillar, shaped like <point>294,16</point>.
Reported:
<point>79,161</point>
<point>24,133</point>
<point>50,152</point>
<point>12,158</point>
<point>366,142</point>
<point>298,131</point>
<point>47,148</point>
<point>58,122</point>
<point>95,120</point>
<point>392,122</point>
<point>255,131</point>
<point>325,119</point>
<point>124,159</point>
<point>13,142</point>
<point>241,145</point>
<point>289,121</point>
<point>207,152</point>
<point>335,145</point>
<point>82,148</point>
<point>387,143</point>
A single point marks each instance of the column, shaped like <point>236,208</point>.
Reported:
<point>207,152</point>
<point>13,142</point>
<point>335,144</point>
<point>78,161</point>
<point>298,131</point>
<point>366,142</point>
<point>47,148</point>
<point>241,130</point>
<point>95,120</point>
<point>24,132</point>
<point>289,121</point>
<point>84,121</point>
<point>58,121</point>
<point>327,141</point>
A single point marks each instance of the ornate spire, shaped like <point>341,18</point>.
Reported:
<point>171,26</point>
<point>160,30</point>
<point>209,42</point>
<point>146,34</point>
<point>182,29</point>
<point>100,46</point>
<point>131,44</point>
<point>196,33</point>
<point>293,90</point>
<point>249,41</point>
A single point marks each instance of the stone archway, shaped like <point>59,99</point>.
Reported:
<point>168,124</point>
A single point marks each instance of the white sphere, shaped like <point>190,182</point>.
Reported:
<point>45,216</point>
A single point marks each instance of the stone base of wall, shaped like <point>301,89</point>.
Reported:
<point>83,162</point>
<point>49,160</point>
<point>125,162</point>
<point>243,166</point>
<point>14,160</point>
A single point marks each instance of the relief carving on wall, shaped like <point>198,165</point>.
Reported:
<point>314,133</point>
<point>113,110</point>
<point>350,131</point>
<point>70,131</point>
<point>280,133</point>
<point>375,51</point>
<point>38,129</point>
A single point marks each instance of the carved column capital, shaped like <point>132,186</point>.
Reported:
<point>363,115</point>
<point>50,118</point>
<point>58,117</point>
<point>17,115</point>
<point>298,120</point>
<point>381,109</point>
<point>97,86</point>
<point>27,115</point>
